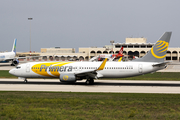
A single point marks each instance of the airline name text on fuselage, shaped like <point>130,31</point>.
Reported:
<point>56,68</point>
<point>3,56</point>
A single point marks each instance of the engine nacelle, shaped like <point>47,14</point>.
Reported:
<point>15,62</point>
<point>67,77</point>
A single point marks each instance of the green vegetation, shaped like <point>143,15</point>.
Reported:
<point>59,105</point>
<point>5,74</point>
<point>151,76</point>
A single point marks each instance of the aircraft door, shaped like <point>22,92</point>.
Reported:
<point>140,67</point>
<point>27,68</point>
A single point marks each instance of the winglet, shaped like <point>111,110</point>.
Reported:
<point>101,67</point>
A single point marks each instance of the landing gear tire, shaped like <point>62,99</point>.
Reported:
<point>25,81</point>
<point>90,81</point>
<point>12,65</point>
<point>87,82</point>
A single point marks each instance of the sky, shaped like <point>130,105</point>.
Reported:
<point>85,23</point>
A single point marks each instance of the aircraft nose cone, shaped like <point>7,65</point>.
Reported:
<point>11,72</point>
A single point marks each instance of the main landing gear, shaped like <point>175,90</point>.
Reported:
<point>12,65</point>
<point>25,81</point>
<point>90,81</point>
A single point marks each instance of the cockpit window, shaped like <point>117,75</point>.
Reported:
<point>18,67</point>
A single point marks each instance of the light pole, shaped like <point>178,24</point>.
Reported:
<point>30,19</point>
<point>112,41</point>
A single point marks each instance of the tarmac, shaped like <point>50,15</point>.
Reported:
<point>104,86</point>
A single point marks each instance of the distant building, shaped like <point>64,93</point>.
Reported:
<point>57,50</point>
<point>132,47</point>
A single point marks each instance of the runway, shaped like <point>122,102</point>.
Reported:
<point>108,86</point>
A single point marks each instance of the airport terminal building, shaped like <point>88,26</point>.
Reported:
<point>132,47</point>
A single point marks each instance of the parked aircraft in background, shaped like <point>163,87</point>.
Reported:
<point>111,57</point>
<point>10,56</point>
<point>73,71</point>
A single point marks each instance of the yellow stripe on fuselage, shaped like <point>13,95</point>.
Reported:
<point>50,69</point>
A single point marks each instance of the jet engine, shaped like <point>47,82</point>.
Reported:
<point>15,62</point>
<point>67,77</point>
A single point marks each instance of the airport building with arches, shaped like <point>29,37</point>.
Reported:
<point>132,47</point>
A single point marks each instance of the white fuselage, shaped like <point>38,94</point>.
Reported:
<point>111,69</point>
<point>7,56</point>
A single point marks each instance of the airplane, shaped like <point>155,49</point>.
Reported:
<point>74,71</point>
<point>10,56</point>
<point>111,57</point>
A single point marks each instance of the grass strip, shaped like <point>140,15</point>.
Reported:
<point>62,105</point>
<point>5,74</point>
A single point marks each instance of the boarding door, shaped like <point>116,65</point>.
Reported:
<point>27,68</point>
<point>140,68</point>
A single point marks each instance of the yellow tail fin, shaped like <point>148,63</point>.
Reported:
<point>120,59</point>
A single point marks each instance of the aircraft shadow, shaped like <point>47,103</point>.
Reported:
<point>95,83</point>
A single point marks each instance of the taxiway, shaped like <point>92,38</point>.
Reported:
<point>109,86</point>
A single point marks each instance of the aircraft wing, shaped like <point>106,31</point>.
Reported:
<point>22,58</point>
<point>28,57</point>
<point>8,59</point>
<point>92,73</point>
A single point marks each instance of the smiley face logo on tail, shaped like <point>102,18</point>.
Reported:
<point>159,49</point>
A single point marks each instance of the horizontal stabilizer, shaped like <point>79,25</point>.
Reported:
<point>161,64</point>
